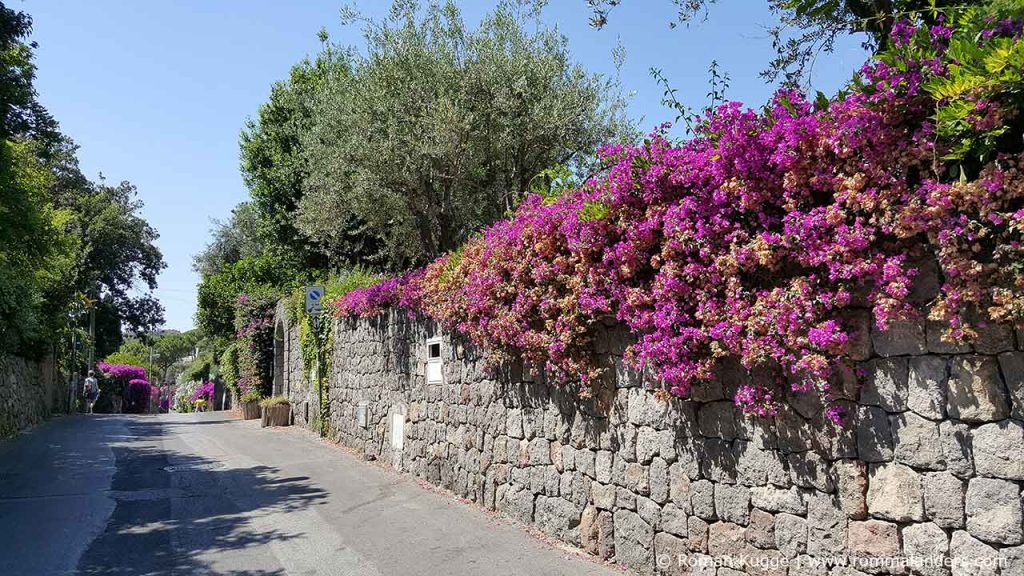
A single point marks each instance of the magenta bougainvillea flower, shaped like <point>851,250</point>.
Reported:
<point>125,372</point>
<point>204,391</point>
<point>753,239</point>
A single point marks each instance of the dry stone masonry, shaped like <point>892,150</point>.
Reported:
<point>30,392</point>
<point>928,468</point>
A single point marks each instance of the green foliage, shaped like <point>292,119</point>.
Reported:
<point>978,101</point>
<point>552,183</point>
<point>335,287</point>
<point>318,342</point>
<point>438,130</point>
<point>198,370</point>
<point>316,339</point>
<point>718,85</point>
<point>169,348</point>
<point>21,115</point>
<point>445,107</point>
<point>118,253</point>
<point>69,248</point>
<point>254,313</point>
<point>36,258</point>
<point>157,354</point>
<point>985,70</point>
<point>218,293</point>
<point>274,165</point>
<point>274,401</point>
<point>183,395</point>
<point>250,397</point>
<point>244,235</point>
<point>229,367</point>
<point>132,353</point>
<point>592,211</point>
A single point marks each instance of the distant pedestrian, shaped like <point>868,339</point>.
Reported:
<point>92,390</point>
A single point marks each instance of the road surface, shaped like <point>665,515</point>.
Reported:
<point>205,494</point>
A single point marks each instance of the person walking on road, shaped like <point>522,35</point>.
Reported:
<point>92,390</point>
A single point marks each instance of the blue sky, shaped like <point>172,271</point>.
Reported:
<point>156,92</point>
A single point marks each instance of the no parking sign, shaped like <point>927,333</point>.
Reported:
<point>314,299</point>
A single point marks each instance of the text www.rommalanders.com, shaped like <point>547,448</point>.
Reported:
<point>768,561</point>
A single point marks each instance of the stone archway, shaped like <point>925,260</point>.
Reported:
<point>278,358</point>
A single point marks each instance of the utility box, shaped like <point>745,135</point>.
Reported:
<point>362,416</point>
<point>435,373</point>
<point>397,431</point>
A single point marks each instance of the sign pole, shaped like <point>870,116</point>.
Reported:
<point>314,305</point>
<point>319,376</point>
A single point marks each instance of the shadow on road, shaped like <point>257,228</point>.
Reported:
<point>182,514</point>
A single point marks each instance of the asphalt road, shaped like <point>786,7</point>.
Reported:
<point>205,494</point>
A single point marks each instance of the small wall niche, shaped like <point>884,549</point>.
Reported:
<point>434,364</point>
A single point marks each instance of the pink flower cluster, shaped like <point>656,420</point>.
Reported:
<point>137,396</point>
<point>375,299</point>
<point>122,371</point>
<point>144,386</point>
<point>253,326</point>
<point>205,391</point>
<point>748,241</point>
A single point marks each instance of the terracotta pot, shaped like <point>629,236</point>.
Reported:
<point>277,415</point>
<point>250,410</point>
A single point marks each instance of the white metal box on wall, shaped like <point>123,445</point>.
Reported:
<point>435,373</point>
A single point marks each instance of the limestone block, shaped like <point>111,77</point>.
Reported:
<point>732,503</point>
<point>997,450</point>
<point>976,392</point>
<point>944,499</point>
<point>634,540</point>
<point>916,441</point>
<point>886,384</point>
<point>927,545</point>
<point>926,379</point>
<point>993,509</point>
<point>902,338</point>
<point>790,534</point>
<point>894,493</point>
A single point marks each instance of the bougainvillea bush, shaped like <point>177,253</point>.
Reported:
<point>205,392</point>
<point>254,325</point>
<point>751,239</point>
<point>167,394</point>
<point>115,384</point>
<point>137,396</point>
<point>122,372</point>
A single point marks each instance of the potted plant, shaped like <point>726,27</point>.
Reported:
<point>276,411</point>
<point>250,405</point>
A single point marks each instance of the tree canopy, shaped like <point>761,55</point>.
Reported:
<point>385,158</point>
<point>437,130</point>
<point>67,244</point>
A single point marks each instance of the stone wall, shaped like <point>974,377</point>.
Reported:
<point>30,392</point>
<point>295,386</point>
<point>929,464</point>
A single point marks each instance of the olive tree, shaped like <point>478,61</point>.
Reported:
<point>437,130</point>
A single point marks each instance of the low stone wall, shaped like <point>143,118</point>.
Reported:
<point>928,467</point>
<point>30,392</point>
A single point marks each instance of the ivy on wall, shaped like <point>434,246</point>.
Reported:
<point>316,335</point>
